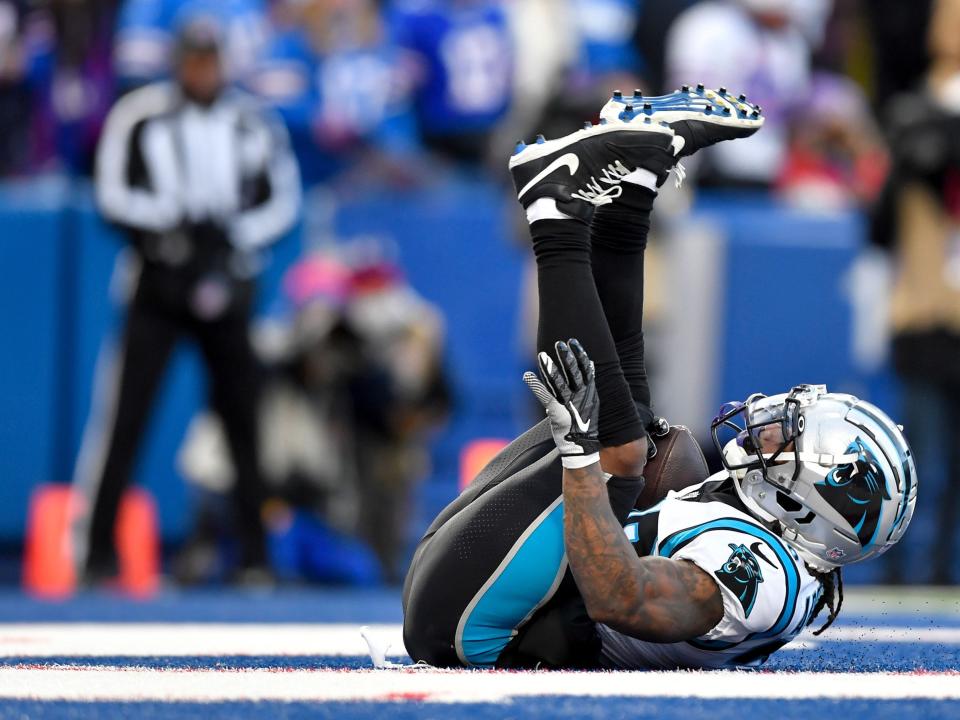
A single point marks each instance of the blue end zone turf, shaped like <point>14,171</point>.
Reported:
<point>929,634</point>
<point>299,605</point>
<point>286,606</point>
<point>574,708</point>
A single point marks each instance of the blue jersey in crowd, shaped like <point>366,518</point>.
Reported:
<point>606,29</point>
<point>462,52</point>
<point>336,103</point>
<point>145,30</point>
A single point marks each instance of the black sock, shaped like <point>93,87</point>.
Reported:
<point>619,239</point>
<point>570,307</point>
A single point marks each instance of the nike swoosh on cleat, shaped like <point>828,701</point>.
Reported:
<point>584,426</point>
<point>570,161</point>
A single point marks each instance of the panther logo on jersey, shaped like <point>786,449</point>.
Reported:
<point>741,573</point>
<point>857,490</point>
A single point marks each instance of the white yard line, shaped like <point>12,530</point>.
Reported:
<point>106,684</point>
<point>341,640</point>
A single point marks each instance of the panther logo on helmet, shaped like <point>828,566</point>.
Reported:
<point>857,490</point>
<point>741,573</point>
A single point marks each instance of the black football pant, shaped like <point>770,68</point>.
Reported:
<point>489,583</point>
<point>158,317</point>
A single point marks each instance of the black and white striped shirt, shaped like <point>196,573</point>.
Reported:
<point>165,163</point>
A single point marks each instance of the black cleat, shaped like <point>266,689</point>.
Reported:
<point>701,117</point>
<point>584,169</point>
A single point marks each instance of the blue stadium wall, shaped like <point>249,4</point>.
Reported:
<point>457,244</point>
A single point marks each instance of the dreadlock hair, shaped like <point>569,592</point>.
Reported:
<point>831,597</point>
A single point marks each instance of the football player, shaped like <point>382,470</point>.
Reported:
<point>543,561</point>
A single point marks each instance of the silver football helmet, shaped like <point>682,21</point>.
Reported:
<point>834,472</point>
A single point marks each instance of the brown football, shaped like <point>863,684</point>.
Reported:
<point>679,463</point>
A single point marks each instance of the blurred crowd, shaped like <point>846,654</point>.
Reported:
<point>353,385</point>
<point>380,89</point>
<point>862,100</point>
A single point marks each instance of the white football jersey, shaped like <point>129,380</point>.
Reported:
<point>768,594</point>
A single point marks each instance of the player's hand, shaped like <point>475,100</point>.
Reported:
<point>568,392</point>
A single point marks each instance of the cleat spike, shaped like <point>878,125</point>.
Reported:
<point>722,91</point>
<point>647,120</point>
<point>647,107</point>
<point>726,111</point>
<point>519,147</point>
<point>637,93</point>
<point>708,110</point>
<point>755,114</point>
<point>617,95</point>
<point>684,88</point>
<point>628,108</point>
<point>587,125</point>
<point>541,139</point>
<point>759,109</point>
<point>603,121</point>
<point>700,88</point>
<point>742,98</point>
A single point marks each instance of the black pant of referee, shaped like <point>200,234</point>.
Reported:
<point>162,312</point>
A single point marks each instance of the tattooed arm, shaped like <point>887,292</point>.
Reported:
<point>650,598</point>
<point>654,599</point>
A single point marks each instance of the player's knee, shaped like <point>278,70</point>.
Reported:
<point>628,459</point>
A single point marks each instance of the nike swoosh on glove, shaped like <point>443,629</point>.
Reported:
<point>568,393</point>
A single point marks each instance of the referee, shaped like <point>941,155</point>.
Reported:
<point>200,181</point>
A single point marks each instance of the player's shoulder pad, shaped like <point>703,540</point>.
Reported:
<point>760,578</point>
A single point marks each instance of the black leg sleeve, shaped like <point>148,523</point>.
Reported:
<point>570,307</point>
<point>619,239</point>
